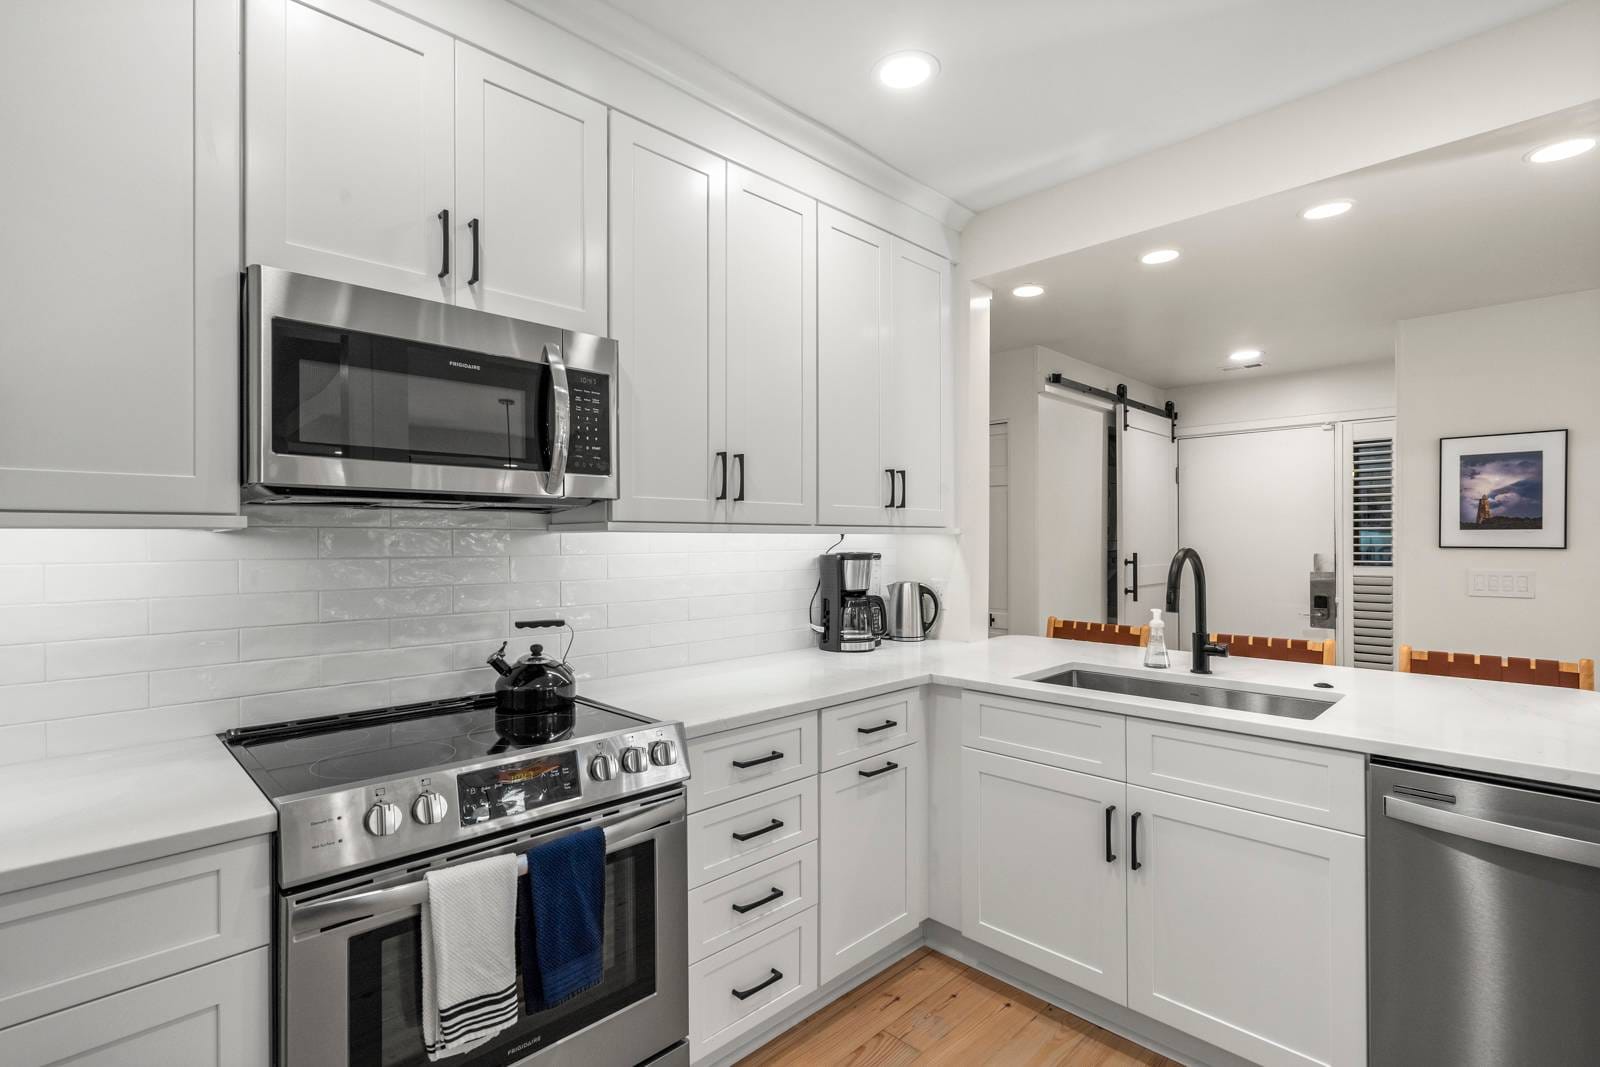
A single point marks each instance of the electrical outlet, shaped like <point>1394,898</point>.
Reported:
<point>1518,585</point>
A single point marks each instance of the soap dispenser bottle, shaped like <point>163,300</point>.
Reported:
<point>1155,649</point>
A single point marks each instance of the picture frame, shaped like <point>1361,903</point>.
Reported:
<point>1504,490</point>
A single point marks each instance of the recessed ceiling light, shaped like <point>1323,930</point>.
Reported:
<point>1028,290</point>
<point>1157,256</point>
<point>1554,153</point>
<point>906,70</point>
<point>1332,209</point>
<point>1245,355</point>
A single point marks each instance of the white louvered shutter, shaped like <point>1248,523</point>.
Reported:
<point>1372,554</point>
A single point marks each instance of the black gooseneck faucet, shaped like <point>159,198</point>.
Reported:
<point>1202,646</point>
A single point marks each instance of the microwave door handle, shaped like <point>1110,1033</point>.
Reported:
<point>561,432</point>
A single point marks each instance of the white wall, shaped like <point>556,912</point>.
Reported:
<point>117,637</point>
<point>1531,365</point>
<point>1360,390</point>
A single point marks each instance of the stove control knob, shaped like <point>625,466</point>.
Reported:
<point>382,819</point>
<point>430,807</point>
<point>603,768</point>
<point>633,759</point>
<point>663,753</point>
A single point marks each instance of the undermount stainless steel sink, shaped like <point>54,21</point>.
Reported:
<point>1260,702</point>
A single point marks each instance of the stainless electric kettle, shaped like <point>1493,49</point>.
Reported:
<point>907,622</point>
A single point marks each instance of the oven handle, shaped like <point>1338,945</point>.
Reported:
<point>622,831</point>
<point>561,433</point>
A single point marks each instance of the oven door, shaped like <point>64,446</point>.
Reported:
<point>350,987</point>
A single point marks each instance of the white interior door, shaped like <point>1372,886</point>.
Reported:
<point>1147,537</point>
<point>999,529</point>
<point>1070,513</point>
<point>1258,507</point>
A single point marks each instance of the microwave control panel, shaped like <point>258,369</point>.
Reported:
<point>514,788</point>
<point>590,449</point>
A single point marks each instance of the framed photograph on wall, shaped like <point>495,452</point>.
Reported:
<point>1507,490</point>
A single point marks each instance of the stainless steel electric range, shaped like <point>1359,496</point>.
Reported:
<point>369,802</point>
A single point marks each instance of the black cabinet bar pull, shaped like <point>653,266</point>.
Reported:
<point>758,761</point>
<point>885,769</point>
<point>746,994</point>
<point>1133,842</point>
<point>722,466</point>
<point>473,226</point>
<point>1111,811</point>
<point>444,233</point>
<point>738,457</point>
<point>890,472</point>
<point>902,503</point>
<point>775,824</point>
<point>754,904</point>
<point>1133,590</point>
<point>889,724</point>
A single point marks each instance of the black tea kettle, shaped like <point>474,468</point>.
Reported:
<point>535,696</point>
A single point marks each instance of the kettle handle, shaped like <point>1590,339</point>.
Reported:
<point>924,591</point>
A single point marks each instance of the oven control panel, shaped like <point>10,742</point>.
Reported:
<point>514,788</point>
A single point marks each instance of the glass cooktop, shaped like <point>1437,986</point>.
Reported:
<point>330,753</point>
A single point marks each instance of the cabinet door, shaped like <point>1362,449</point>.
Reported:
<point>530,196</point>
<point>1248,931</point>
<point>915,382</point>
<point>669,316</point>
<point>119,201</point>
<point>1043,869</point>
<point>874,886</point>
<point>349,144</point>
<point>772,351</point>
<point>213,1016</point>
<point>852,352</point>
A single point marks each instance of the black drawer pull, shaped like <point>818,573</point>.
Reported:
<point>754,904</point>
<point>1134,841</point>
<point>746,994</point>
<point>889,725</point>
<point>885,769</point>
<point>1111,811</point>
<point>775,824</point>
<point>747,764</point>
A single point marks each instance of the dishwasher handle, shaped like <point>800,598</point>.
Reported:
<point>1520,838</point>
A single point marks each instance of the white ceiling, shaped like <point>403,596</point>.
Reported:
<point>1460,226</point>
<point>1034,92</point>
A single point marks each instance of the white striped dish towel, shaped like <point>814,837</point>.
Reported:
<point>469,957</point>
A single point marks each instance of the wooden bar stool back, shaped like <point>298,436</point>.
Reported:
<point>1289,649</point>
<point>1105,633</point>
<point>1579,675</point>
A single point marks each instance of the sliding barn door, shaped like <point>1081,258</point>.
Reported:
<point>1147,471</point>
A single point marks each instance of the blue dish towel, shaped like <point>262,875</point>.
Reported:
<point>564,928</point>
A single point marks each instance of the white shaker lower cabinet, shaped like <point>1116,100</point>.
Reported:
<point>1044,868</point>
<point>874,887</point>
<point>1248,931</point>
<point>218,1015</point>
<point>120,205</point>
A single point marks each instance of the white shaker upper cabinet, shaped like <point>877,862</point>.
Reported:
<point>911,423</point>
<point>669,316</point>
<point>772,351</point>
<point>853,486</point>
<point>530,221</point>
<point>349,145</point>
<point>119,201</point>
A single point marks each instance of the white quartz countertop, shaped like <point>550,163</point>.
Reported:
<point>1524,731</point>
<point>74,815</point>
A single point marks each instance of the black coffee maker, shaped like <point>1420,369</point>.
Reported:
<point>853,620</point>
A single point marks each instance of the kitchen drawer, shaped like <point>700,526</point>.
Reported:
<point>864,727</point>
<point>784,750</point>
<point>782,886</point>
<point>72,941</point>
<point>770,822</point>
<point>785,956</point>
<point>1321,786</point>
<point>218,1015</point>
<point>1090,742</point>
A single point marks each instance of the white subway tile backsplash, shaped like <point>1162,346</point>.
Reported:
<point>118,637</point>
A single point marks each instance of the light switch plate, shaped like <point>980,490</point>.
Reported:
<point>1518,585</point>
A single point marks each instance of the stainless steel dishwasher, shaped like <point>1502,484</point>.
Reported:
<point>1483,920</point>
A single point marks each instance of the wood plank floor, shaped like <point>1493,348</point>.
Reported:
<point>929,1009</point>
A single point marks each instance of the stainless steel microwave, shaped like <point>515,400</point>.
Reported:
<point>360,396</point>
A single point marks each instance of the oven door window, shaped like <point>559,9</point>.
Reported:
<point>343,394</point>
<point>385,985</point>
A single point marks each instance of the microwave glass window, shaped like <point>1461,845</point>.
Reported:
<point>444,417</point>
<point>322,414</point>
